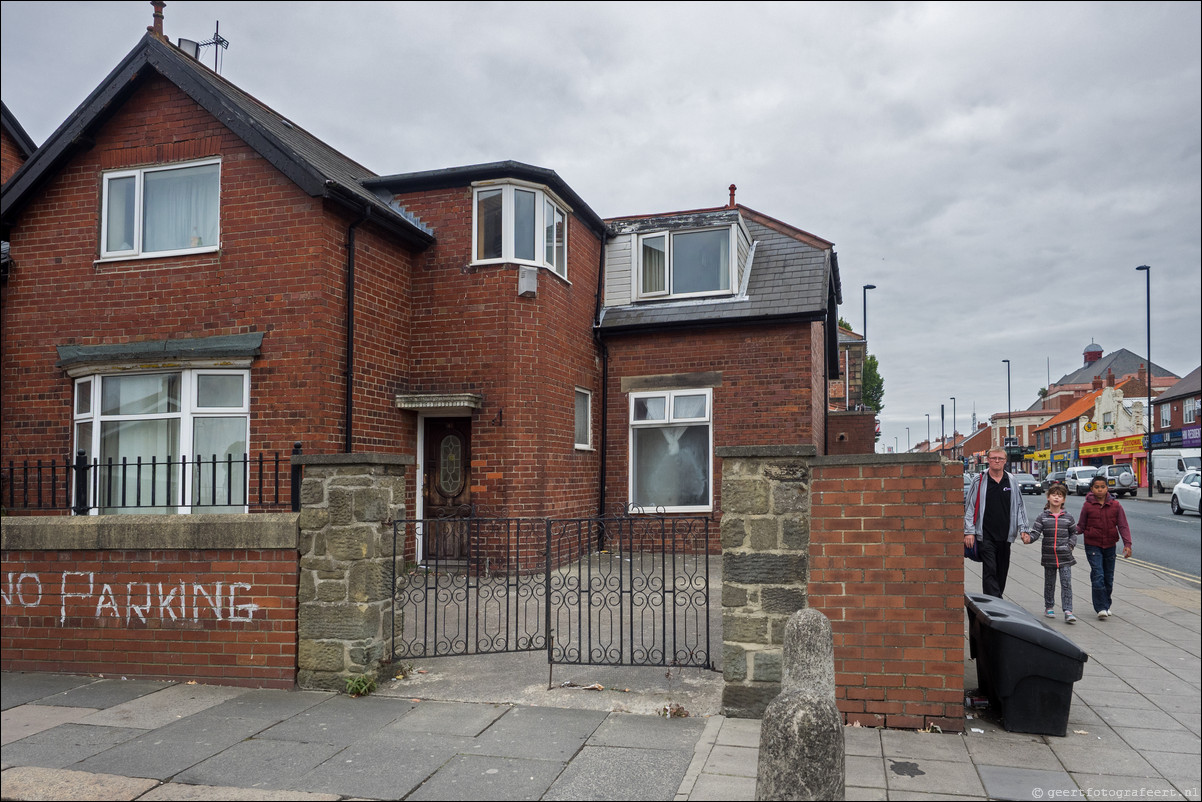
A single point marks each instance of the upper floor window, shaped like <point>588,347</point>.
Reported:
<point>1166,416</point>
<point>684,263</point>
<point>514,223</point>
<point>161,210</point>
<point>1190,411</point>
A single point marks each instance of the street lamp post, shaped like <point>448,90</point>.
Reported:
<point>953,427</point>
<point>894,444</point>
<point>928,430</point>
<point>907,439</point>
<point>1009,423</point>
<point>867,287</point>
<point>1147,271</point>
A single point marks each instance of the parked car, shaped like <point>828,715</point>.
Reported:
<point>1077,479</point>
<point>1052,478</point>
<point>1187,495</point>
<point>1027,484</point>
<point>1120,478</point>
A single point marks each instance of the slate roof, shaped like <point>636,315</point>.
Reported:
<point>793,276</point>
<point>314,166</point>
<point>1122,362</point>
<point>1190,385</point>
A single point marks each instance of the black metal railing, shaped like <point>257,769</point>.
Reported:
<point>629,590</point>
<point>79,485</point>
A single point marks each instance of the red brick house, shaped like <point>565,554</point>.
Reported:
<point>195,273</point>
<point>15,145</point>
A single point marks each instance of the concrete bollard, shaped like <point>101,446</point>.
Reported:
<point>801,736</point>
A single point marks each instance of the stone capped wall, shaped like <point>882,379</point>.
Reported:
<point>348,505</point>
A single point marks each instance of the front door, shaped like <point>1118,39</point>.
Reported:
<point>446,487</point>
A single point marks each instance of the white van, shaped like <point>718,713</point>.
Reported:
<point>1077,479</point>
<point>1170,464</point>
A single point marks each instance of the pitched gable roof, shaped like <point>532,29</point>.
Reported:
<point>1121,362</point>
<point>315,167</point>
<point>1081,406</point>
<point>1191,384</point>
<point>13,128</point>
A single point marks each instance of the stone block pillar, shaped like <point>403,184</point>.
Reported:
<point>348,504</point>
<point>765,533</point>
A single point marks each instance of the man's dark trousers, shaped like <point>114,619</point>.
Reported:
<point>995,565</point>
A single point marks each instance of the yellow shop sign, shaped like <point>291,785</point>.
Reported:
<point>1098,449</point>
<point>1042,456</point>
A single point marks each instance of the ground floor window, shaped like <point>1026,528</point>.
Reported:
<point>146,432</point>
<point>671,450</point>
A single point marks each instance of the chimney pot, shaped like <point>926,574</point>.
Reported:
<point>157,27</point>
<point>731,205</point>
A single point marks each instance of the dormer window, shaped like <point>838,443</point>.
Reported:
<point>161,211</point>
<point>679,263</point>
<point>518,223</point>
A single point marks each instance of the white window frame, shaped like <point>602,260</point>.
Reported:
<point>587,445</point>
<point>669,291</point>
<point>1189,410</point>
<point>543,198</point>
<point>139,176</point>
<point>670,419</point>
<point>189,412</point>
<point>1166,416</point>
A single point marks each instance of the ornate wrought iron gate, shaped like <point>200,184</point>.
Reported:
<point>600,591</point>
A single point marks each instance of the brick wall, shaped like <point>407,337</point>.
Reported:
<point>768,388</point>
<point>851,433</point>
<point>281,270</point>
<point>526,356</point>
<point>219,615</point>
<point>10,156</point>
<point>887,569</point>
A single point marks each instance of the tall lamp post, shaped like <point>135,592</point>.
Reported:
<point>928,430</point>
<point>867,287</point>
<point>907,439</point>
<point>1009,424</point>
<point>953,427</point>
<point>1147,271</point>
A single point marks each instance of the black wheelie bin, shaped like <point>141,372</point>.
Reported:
<point>1025,668</point>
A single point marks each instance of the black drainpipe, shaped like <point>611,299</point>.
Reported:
<point>350,327</point>
<point>604,377</point>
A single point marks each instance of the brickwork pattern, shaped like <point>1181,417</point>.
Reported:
<point>746,407</point>
<point>281,270</point>
<point>223,616</point>
<point>887,568</point>
<point>473,333</point>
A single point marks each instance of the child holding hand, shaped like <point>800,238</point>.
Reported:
<point>1059,531</point>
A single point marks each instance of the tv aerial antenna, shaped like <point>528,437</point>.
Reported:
<point>218,43</point>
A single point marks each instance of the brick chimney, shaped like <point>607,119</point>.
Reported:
<point>731,205</point>
<point>157,27</point>
<point>1142,375</point>
<point>1109,377</point>
<point>1097,382</point>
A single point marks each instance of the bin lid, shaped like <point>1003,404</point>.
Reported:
<point>1025,626</point>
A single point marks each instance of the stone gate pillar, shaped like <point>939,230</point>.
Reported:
<point>765,533</point>
<point>348,504</point>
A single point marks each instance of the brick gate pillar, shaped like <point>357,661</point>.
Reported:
<point>348,504</point>
<point>765,533</point>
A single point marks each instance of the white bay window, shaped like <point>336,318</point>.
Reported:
<point>153,427</point>
<point>517,223</point>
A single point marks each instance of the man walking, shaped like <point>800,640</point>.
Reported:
<point>1102,522</point>
<point>994,515</point>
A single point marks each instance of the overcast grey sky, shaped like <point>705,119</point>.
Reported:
<point>998,170</point>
